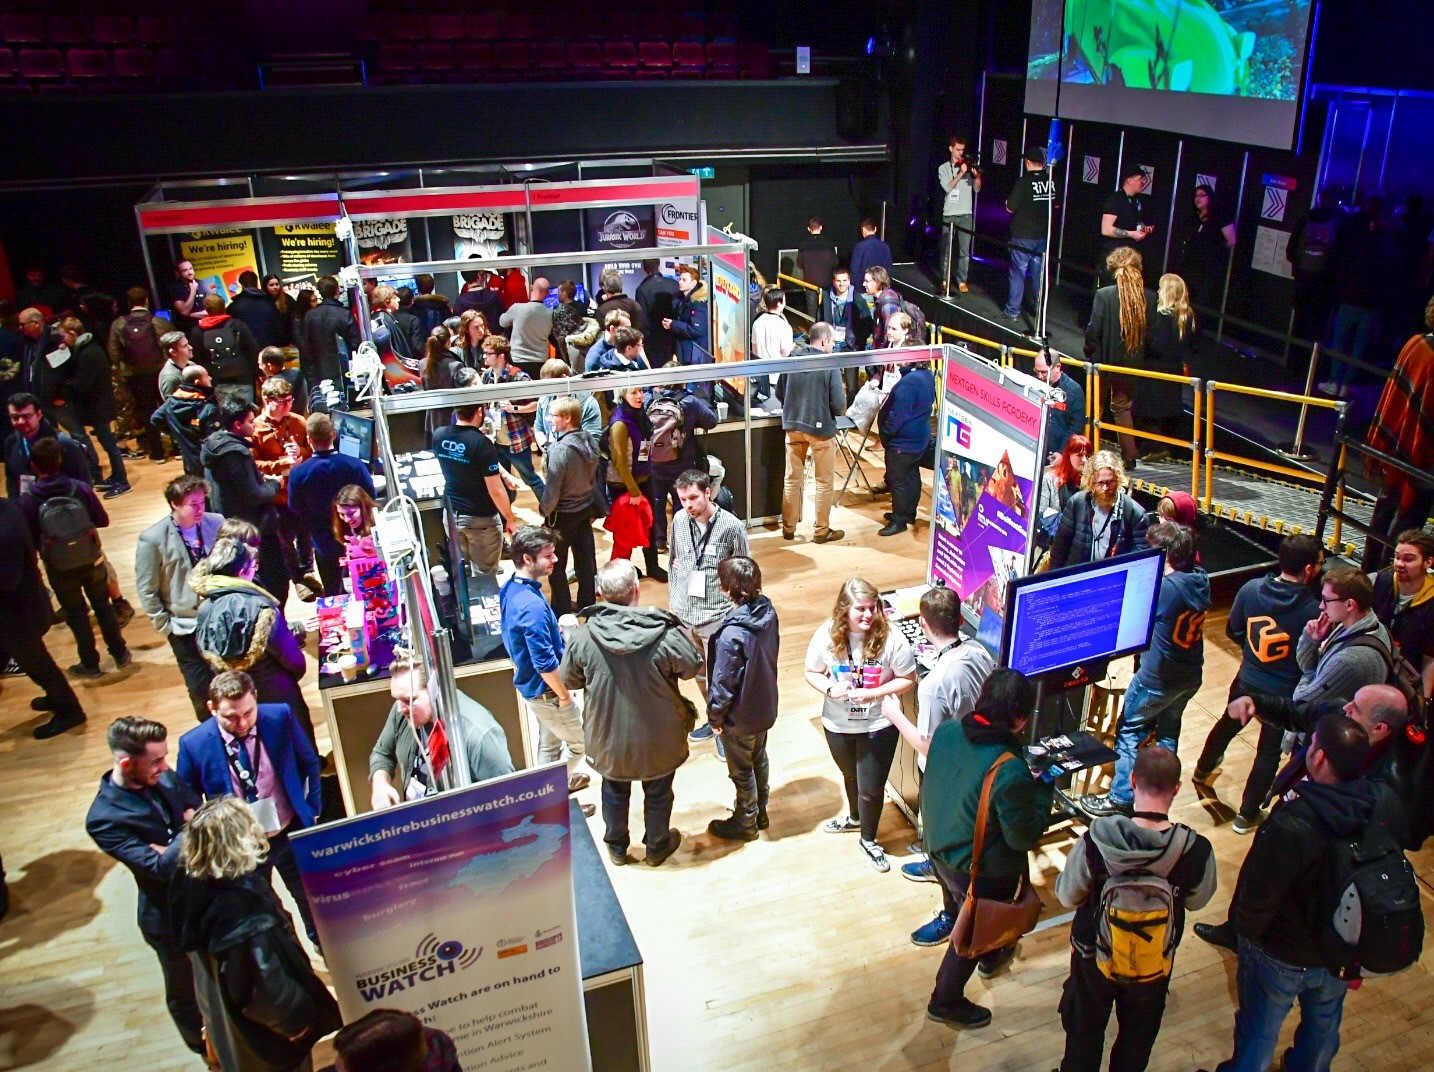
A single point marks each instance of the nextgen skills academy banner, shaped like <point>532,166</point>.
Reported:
<point>459,908</point>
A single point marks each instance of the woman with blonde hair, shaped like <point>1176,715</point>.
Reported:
<point>1169,340</point>
<point>855,660</point>
<point>1116,335</point>
<point>263,1006</point>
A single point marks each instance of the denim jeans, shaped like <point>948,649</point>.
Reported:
<point>657,804</point>
<point>560,729</point>
<point>1146,709</point>
<point>522,460</point>
<point>1355,327</point>
<point>1268,989</point>
<point>1027,255</point>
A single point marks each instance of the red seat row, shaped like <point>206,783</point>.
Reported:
<point>45,65</point>
<point>79,30</point>
<point>520,26</point>
<point>684,57</point>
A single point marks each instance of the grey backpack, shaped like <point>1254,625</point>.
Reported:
<point>68,538</point>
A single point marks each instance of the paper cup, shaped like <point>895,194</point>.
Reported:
<point>348,666</point>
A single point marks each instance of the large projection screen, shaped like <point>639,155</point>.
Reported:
<point>1231,70</point>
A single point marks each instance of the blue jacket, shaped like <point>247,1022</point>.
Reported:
<point>905,420</point>
<point>530,633</point>
<point>742,684</point>
<point>596,352</point>
<point>204,767</point>
<point>868,252</point>
<point>312,487</point>
<point>1061,424</point>
<point>689,328</point>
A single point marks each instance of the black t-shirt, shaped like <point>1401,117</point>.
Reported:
<point>1130,211</point>
<point>467,458</point>
<point>178,291</point>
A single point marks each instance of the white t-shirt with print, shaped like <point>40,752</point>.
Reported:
<point>897,660</point>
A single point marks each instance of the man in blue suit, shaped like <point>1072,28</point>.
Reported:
<point>259,753</point>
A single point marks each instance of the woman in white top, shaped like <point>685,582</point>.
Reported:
<point>862,740</point>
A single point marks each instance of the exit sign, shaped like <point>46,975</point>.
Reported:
<point>703,172</point>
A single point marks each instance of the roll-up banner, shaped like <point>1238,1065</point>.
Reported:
<point>987,483</point>
<point>219,258</point>
<point>302,252</point>
<point>729,304</point>
<point>617,229</point>
<point>459,908</point>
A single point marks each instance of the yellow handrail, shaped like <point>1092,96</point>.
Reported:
<point>783,277</point>
<point>1212,455</point>
<point>1094,399</point>
<point>1005,351</point>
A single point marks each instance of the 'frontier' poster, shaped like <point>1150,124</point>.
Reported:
<point>459,908</point>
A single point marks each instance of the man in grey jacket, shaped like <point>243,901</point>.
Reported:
<point>959,181</point>
<point>568,502</point>
<point>811,404</point>
<point>163,557</point>
<point>1346,647</point>
<point>628,660</point>
<point>531,323</point>
<point>401,766</point>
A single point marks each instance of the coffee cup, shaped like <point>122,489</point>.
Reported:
<point>722,411</point>
<point>348,666</point>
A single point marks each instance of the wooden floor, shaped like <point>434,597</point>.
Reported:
<point>789,952</point>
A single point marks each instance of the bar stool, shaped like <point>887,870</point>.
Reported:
<point>1107,699</point>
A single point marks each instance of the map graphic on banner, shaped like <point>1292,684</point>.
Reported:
<point>305,252</point>
<point>985,487</point>
<point>219,257</point>
<point>459,908</point>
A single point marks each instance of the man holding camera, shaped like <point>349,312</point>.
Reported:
<point>960,180</point>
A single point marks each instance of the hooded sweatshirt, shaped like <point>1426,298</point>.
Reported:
<point>1336,668</point>
<point>742,682</point>
<point>1411,623</point>
<point>572,460</point>
<point>1280,882</point>
<point>961,754</point>
<point>1176,658</point>
<point>1116,845</point>
<point>191,417</point>
<point>1268,615</point>
<point>630,660</point>
<point>239,490</point>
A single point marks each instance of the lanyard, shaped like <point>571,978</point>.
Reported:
<point>153,799</point>
<point>196,549</point>
<point>243,767</point>
<point>1109,520</point>
<point>701,548</point>
<point>420,772</point>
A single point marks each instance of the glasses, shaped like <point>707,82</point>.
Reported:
<point>1331,599</point>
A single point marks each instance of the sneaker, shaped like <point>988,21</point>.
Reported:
<point>1221,934</point>
<point>921,871</point>
<point>1329,387</point>
<point>123,659</point>
<point>965,1014</point>
<point>11,669</point>
<point>701,733</point>
<point>124,613</point>
<point>989,966</point>
<point>892,528</point>
<point>617,856</point>
<point>831,536</point>
<point>57,725</point>
<point>876,854</point>
<point>721,748</point>
<point>842,824</point>
<point>81,670</point>
<point>963,288</point>
<point>731,829</point>
<point>1098,805</point>
<point>762,821</point>
<point>674,839</point>
<point>934,931</point>
<point>102,484</point>
<point>116,490</point>
<point>1244,825</point>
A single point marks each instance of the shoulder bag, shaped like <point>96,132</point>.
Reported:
<point>986,924</point>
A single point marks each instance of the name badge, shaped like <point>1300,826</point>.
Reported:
<point>266,814</point>
<point>415,790</point>
<point>839,334</point>
<point>27,481</point>
<point>889,380</point>
<point>697,585</point>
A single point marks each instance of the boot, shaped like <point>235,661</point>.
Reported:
<point>652,568</point>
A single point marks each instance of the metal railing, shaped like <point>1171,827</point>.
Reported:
<point>783,279</point>
<point>1095,402</point>
<point>1332,499</point>
<point>1005,350</point>
<point>1212,387</point>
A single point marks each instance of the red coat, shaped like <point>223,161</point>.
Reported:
<point>630,521</point>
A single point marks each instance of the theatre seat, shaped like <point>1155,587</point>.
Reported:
<point>510,59</point>
<point>548,58</point>
<point>473,60</point>
<point>397,56</point>
<point>481,27</point>
<point>155,30</point>
<point>655,55</point>
<point>620,55</point>
<point>69,30</point>
<point>88,64</point>
<point>435,56</point>
<point>136,64</point>
<point>445,27</point>
<point>42,64</point>
<point>22,29</point>
<point>585,57</point>
<point>112,30</point>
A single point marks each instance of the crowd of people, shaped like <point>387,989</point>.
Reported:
<point>267,502</point>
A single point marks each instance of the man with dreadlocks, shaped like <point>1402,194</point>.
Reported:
<point>1116,335</point>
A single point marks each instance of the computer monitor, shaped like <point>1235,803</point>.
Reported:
<point>1078,615</point>
<point>355,435</point>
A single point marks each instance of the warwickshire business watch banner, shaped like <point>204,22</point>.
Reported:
<point>459,908</point>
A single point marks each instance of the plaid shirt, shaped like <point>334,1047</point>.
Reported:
<point>518,425</point>
<point>1404,422</point>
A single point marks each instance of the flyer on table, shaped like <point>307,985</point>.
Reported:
<point>459,908</point>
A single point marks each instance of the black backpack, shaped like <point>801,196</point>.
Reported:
<point>222,346</point>
<point>141,347</point>
<point>1315,246</point>
<point>68,538</point>
<point>1369,919</point>
<point>1400,673</point>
